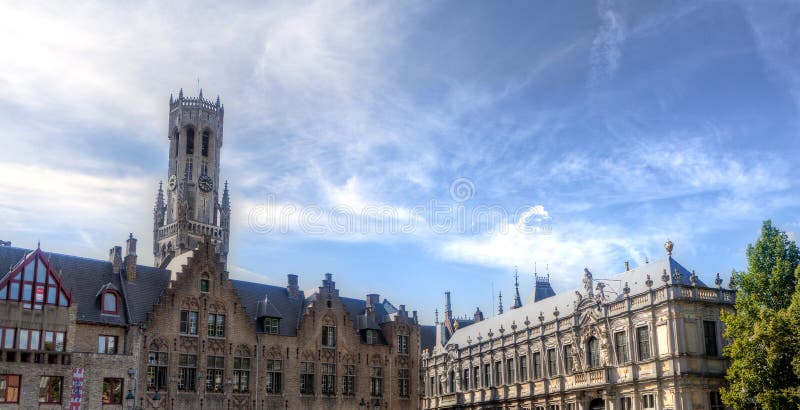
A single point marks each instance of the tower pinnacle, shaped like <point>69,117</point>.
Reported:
<point>500,303</point>
<point>517,300</point>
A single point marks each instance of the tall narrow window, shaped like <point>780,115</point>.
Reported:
<point>204,149</point>
<point>349,380</point>
<point>112,391</point>
<point>29,339</point>
<point>215,374</point>
<point>509,371</point>
<point>402,344</point>
<point>328,336</point>
<point>9,388</point>
<point>568,361</point>
<point>7,337</point>
<point>188,322</point>
<point>50,389</point>
<point>710,336</point>
<point>273,376</point>
<point>216,325</point>
<point>189,166</point>
<point>376,381</point>
<point>487,375</point>
<point>552,365</point>
<point>621,347</point>
<point>157,365</point>
<point>523,368</point>
<point>593,353</point>
<point>190,141</point>
<point>187,372</point>
<point>498,373</point>
<point>241,374</point>
<point>537,365</point>
<point>403,381</point>
<point>465,380</point>
<point>306,377</point>
<point>328,379</point>
<point>451,382</point>
<point>475,371</point>
<point>643,342</point>
<point>177,142</point>
<point>625,403</point>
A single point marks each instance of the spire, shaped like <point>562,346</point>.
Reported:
<point>517,299</point>
<point>180,94</point>
<point>226,200</point>
<point>447,308</point>
<point>436,313</point>
<point>500,303</point>
<point>201,94</point>
<point>160,196</point>
<point>218,101</point>
<point>170,99</point>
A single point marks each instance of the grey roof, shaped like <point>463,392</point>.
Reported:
<point>427,336</point>
<point>279,304</point>
<point>635,278</point>
<point>84,278</point>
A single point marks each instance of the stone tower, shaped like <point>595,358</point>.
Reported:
<point>191,208</point>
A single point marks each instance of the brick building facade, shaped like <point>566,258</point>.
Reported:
<point>183,334</point>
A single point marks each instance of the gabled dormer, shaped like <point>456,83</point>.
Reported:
<point>34,283</point>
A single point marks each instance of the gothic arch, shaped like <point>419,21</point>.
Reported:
<point>328,320</point>
<point>242,350</point>
<point>376,360</point>
<point>190,303</point>
<point>159,344</point>
<point>274,353</point>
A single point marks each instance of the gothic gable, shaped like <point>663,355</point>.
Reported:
<point>35,283</point>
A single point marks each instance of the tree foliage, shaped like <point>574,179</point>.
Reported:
<point>765,330</point>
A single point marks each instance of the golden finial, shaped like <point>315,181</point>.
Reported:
<point>668,246</point>
<point>455,325</point>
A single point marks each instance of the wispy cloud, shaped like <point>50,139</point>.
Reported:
<point>607,44</point>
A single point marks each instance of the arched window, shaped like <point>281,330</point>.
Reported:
<point>110,300</point>
<point>593,353</point>
<point>206,137</point>
<point>190,140</point>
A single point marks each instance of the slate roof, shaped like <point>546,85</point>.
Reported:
<point>84,278</point>
<point>278,301</point>
<point>427,337</point>
<point>635,278</point>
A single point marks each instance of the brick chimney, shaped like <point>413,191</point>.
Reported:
<point>292,287</point>
<point>115,257</point>
<point>130,258</point>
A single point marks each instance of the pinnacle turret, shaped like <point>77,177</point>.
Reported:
<point>500,303</point>
<point>517,300</point>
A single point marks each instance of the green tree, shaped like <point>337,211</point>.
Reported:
<point>765,330</point>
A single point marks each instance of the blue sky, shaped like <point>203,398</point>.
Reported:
<point>604,128</point>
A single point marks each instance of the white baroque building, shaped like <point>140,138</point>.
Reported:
<point>648,338</point>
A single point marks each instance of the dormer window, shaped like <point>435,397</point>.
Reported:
<point>372,337</point>
<point>110,302</point>
<point>271,325</point>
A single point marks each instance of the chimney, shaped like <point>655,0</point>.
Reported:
<point>627,266</point>
<point>293,289</point>
<point>416,318</point>
<point>130,258</point>
<point>373,299</point>
<point>115,257</point>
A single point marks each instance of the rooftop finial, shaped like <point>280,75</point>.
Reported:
<point>180,94</point>
<point>500,303</point>
<point>668,246</point>
<point>201,93</point>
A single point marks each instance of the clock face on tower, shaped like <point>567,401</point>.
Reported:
<point>206,183</point>
<point>173,182</point>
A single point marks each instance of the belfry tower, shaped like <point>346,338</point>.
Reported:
<point>191,209</point>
